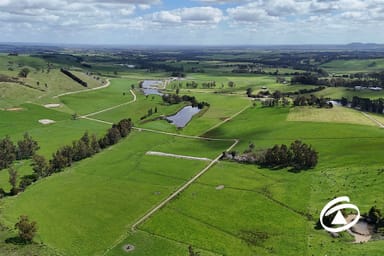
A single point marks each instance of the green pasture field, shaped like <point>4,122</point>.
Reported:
<point>207,118</point>
<point>13,94</point>
<point>40,85</point>
<point>50,137</point>
<point>90,207</point>
<point>282,204</point>
<point>138,109</point>
<point>242,81</point>
<point>92,101</point>
<point>354,66</point>
<point>336,114</point>
<point>339,92</point>
<point>84,209</point>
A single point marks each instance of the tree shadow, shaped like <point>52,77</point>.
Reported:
<point>15,240</point>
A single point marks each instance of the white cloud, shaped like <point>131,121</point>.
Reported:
<point>128,10</point>
<point>249,14</point>
<point>189,16</point>
<point>166,17</point>
<point>287,19</point>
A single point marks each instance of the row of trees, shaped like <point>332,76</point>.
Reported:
<point>176,99</point>
<point>358,79</point>
<point>150,112</point>
<point>298,155</point>
<point>312,100</point>
<point>9,152</point>
<point>277,94</point>
<point>365,104</point>
<point>209,84</point>
<point>75,78</point>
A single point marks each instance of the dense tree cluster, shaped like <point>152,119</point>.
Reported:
<point>375,217</point>
<point>366,104</point>
<point>298,155</point>
<point>75,78</point>
<point>24,72</point>
<point>176,99</point>
<point>347,80</point>
<point>307,78</point>
<point>27,229</point>
<point>192,85</point>
<point>277,94</point>
<point>305,91</point>
<point>312,100</point>
<point>9,152</point>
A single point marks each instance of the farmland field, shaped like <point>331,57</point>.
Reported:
<point>163,203</point>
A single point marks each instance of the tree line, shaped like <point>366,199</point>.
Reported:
<point>86,146</point>
<point>75,78</point>
<point>267,93</point>
<point>176,99</point>
<point>365,104</point>
<point>23,149</point>
<point>299,156</point>
<point>352,80</point>
<point>312,100</point>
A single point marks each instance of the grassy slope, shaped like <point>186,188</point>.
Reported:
<point>122,183</point>
<point>50,137</point>
<point>339,92</point>
<point>12,94</point>
<point>15,94</point>
<point>10,249</point>
<point>210,219</point>
<point>354,66</point>
<point>87,102</point>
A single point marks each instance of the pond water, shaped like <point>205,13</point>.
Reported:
<point>182,117</point>
<point>150,87</point>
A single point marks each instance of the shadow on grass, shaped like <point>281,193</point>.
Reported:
<point>16,241</point>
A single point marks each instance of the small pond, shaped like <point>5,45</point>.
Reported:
<point>182,117</point>
<point>151,87</point>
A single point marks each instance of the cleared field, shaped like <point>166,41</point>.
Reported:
<point>99,198</point>
<point>333,115</point>
<point>280,206</point>
<point>92,101</point>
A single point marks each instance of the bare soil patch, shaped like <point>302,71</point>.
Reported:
<point>362,231</point>
<point>220,187</point>
<point>14,109</point>
<point>46,121</point>
<point>128,248</point>
<point>52,105</point>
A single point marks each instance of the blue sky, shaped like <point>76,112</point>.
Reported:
<point>192,22</point>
